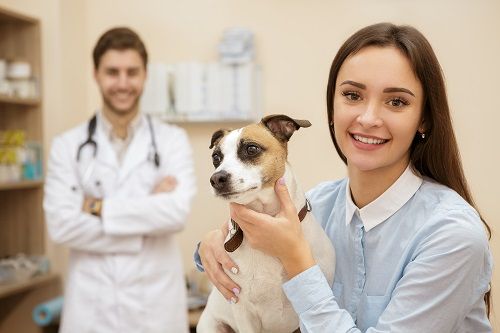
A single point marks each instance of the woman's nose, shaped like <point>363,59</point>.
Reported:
<point>370,117</point>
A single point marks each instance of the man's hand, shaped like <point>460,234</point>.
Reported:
<point>92,206</point>
<point>167,184</point>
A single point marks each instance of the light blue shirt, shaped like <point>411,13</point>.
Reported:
<point>414,260</point>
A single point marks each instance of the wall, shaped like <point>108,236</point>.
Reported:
<point>296,41</point>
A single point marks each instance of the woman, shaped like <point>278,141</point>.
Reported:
<point>412,250</point>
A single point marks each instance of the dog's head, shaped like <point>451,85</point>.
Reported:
<point>251,158</point>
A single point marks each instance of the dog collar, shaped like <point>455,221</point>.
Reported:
<point>237,233</point>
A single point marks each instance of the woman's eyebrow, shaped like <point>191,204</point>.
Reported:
<point>386,90</point>
<point>395,89</point>
<point>354,83</point>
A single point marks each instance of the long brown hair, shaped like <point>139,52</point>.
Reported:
<point>437,156</point>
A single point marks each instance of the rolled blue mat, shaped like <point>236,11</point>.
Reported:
<point>48,312</point>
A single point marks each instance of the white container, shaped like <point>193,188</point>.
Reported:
<point>155,98</point>
<point>19,70</point>
<point>23,88</point>
<point>3,69</point>
<point>5,88</point>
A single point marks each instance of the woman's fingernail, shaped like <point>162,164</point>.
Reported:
<point>234,270</point>
<point>281,181</point>
<point>233,300</point>
<point>236,291</point>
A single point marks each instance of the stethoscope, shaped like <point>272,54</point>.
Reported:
<point>90,140</point>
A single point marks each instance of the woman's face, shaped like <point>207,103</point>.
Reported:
<point>377,109</point>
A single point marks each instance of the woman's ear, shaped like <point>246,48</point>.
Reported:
<point>422,128</point>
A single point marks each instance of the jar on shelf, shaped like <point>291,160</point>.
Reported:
<point>22,83</point>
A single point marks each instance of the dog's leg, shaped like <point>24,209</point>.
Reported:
<point>224,328</point>
<point>208,324</point>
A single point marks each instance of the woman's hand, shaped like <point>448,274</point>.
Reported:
<point>280,236</point>
<point>214,258</point>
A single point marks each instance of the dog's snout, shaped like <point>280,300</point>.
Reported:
<point>220,179</point>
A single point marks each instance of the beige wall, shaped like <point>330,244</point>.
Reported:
<point>296,41</point>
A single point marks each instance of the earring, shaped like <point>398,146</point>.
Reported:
<point>422,135</point>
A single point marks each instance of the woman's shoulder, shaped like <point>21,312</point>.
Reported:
<point>328,195</point>
<point>448,213</point>
<point>438,197</point>
<point>330,188</point>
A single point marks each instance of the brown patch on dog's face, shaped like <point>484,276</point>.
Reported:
<point>257,146</point>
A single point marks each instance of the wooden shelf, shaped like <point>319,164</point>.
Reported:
<point>23,184</point>
<point>19,101</point>
<point>14,288</point>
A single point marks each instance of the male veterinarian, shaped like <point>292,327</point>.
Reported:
<point>118,188</point>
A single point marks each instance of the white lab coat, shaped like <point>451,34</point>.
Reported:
<point>125,270</point>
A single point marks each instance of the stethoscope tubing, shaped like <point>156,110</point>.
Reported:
<point>91,129</point>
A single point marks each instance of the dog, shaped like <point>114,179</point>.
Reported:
<point>248,162</point>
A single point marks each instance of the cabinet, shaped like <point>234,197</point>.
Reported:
<point>22,227</point>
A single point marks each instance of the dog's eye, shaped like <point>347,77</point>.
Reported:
<point>216,160</point>
<point>253,150</point>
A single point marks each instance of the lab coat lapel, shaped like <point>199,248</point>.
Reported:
<point>105,152</point>
<point>137,152</point>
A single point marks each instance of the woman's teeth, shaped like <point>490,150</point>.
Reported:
<point>370,141</point>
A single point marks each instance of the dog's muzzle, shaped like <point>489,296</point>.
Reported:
<point>220,180</point>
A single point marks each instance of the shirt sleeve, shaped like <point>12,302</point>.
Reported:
<point>314,302</point>
<point>66,222</point>
<point>157,213</point>
<point>448,275</point>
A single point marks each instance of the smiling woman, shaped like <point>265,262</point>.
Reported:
<point>378,110</point>
<point>412,250</point>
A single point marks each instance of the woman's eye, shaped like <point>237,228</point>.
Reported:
<point>252,150</point>
<point>351,95</point>
<point>398,102</point>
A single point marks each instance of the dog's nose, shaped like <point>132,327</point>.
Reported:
<point>219,179</point>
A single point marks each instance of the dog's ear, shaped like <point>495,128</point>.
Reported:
<point>283,126</point>
<point>217,136</point>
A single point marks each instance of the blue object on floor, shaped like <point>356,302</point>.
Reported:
<point>48,312</point>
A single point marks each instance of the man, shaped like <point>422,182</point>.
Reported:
<point>118,188</point>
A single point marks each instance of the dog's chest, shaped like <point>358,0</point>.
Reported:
<point>260,276</point>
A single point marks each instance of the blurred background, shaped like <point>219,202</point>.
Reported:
<point>294,42</point>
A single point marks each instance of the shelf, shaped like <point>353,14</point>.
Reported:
<point>14,288</point>
<point>23,184</point>
<point>207,119</point>
<point>19,101</point>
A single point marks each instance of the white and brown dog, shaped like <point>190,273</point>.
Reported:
<point>248,162</point>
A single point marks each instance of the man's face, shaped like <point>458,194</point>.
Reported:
<point>120,77</point>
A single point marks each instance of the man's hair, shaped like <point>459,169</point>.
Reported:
<point>120,38</point>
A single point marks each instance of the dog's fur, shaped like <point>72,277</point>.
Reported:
<point>248,162</point>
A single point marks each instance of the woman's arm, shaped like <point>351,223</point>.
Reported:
<point>214,259</point>
<point>447,277</point>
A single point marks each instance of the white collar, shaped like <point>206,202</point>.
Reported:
<point>387,203</point>
<point>107,127</point>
